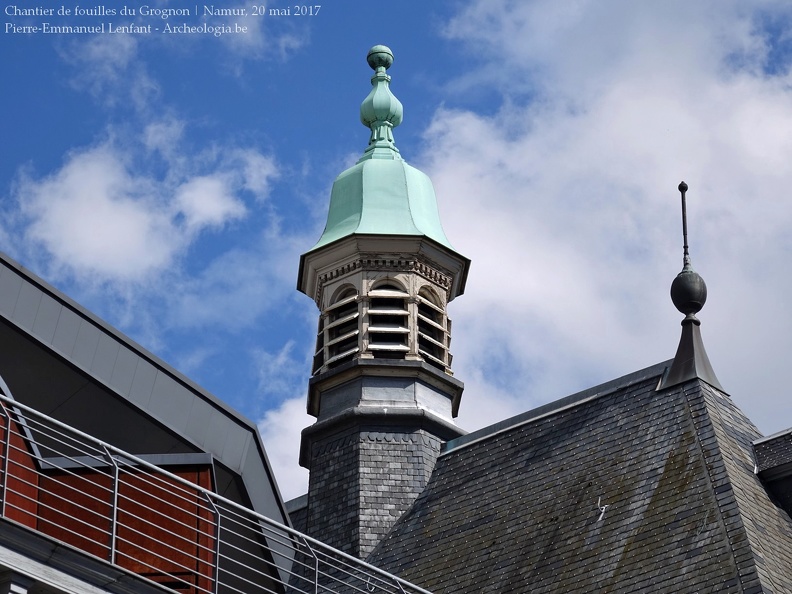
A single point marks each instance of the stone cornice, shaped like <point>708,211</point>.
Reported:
<point>420,255</point>
<point>415,264</point>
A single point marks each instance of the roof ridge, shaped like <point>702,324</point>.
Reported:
<point>755,513</point>
<point>658,370</point>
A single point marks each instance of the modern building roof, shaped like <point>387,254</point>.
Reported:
<point>620,488</point>
<point>64,361</point>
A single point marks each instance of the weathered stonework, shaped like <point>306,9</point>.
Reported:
<point>332,492</point>
<point>395,468</point>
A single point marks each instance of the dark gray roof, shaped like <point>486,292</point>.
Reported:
<point>774,453</point>
<point>621,488</point>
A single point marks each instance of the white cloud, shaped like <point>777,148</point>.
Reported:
<point>281,378</point>
<point>266,36</point>
<point>280,430</point>
<point>566,201</point>
<point>109,68</point>
<point>237,287</point>
<point>100,219</point>
<point>94,215</point>
<point>163,136</point>
<point>280,374</point>
<point>258,172</point>
<point>207,201</point>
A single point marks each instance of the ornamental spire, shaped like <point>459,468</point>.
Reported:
<point>381,111</point>
<point>689,294</point>
<point>688,291</point>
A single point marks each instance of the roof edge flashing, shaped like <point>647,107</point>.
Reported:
<point>563,404</point>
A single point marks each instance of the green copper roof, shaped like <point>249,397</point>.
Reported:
<point>381,194</point>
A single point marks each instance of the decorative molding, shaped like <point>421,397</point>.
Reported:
<point>423,267</point>
<point>333,445</point>
<point>419,437</point>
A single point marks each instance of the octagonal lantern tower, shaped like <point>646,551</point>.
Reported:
<point>382,391</point>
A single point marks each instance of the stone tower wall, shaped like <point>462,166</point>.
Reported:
<point>394,469</point>
<point>362,480</point>
<point>332,491</point>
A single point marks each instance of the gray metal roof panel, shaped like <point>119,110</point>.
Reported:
<point>46,321</point>
<point>124,371</point>
<point>66,331</point>
<point>27,305</point>
<point>85,346</point>
<point>10,285</point>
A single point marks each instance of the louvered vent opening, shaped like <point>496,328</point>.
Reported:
<point>388,329</point>
<point>318,359</point>
<point>341,330</point>
<point>432,336</point>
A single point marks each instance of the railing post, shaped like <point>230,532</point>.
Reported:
<point>216,543</point>
<point>6,455</point>
<point>316,565</point>
<point>316,571</point>
<point>114,508</point>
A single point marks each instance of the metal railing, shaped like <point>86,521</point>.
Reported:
<point>167,527</point>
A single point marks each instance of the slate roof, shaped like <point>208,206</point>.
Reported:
<point>774,466</point>
<point>621,488</point>
<point>774,453</point>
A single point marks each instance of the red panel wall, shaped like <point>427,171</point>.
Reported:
<point>165,530</point>
<point>21,482</point>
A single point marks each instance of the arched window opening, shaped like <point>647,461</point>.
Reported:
<point>388,286</point>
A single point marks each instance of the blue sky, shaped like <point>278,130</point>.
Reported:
<point>169,183</point>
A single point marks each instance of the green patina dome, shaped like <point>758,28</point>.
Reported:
<point>386,197</point>
<point>382,194</point>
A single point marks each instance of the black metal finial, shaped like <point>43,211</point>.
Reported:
<point>683,188</point>
<point>688,291</point>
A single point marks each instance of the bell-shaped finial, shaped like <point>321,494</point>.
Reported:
<point>381,111</point>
